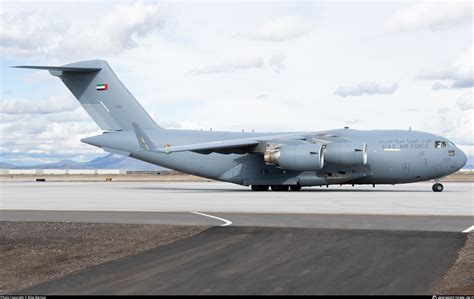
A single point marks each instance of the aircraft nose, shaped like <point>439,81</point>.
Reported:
<point>462,159</point>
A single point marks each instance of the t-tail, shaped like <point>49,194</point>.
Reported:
<point>102,95</point>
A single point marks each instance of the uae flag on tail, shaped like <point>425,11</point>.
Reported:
<point>103,86</point>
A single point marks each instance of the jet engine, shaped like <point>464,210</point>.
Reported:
<point>346,153</point>
<point>296,157</point>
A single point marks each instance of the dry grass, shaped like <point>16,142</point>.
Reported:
<point>460,278</point>
<point>34,252</point>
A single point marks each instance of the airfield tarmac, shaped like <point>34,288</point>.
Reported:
<point>410,199</point>
<point>339,240</point>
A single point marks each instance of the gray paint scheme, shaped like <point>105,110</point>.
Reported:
<point>393,156</point>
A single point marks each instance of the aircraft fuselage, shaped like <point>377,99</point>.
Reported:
<point>393,157</point>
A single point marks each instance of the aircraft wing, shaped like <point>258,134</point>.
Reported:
<point>243,145</point>
<point>232,146</point>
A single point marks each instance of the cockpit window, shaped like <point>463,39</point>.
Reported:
<point>440,144</point>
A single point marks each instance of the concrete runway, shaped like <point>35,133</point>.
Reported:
<point>410,199</point>
<point>342,240</point>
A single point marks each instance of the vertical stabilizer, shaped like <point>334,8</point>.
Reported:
<point>102,95</point>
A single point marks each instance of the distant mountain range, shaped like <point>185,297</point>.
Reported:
<point>109,161</point>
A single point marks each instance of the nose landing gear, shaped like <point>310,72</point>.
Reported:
<point>437,187</point>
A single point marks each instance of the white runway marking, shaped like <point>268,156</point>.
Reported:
<point>226,222</point>
<point>469,229</point>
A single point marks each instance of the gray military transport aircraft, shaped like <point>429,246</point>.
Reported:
<point>281,161</point>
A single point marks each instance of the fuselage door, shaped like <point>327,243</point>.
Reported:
<point>405,169</point>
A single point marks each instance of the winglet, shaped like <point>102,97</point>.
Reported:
<point>143,140</point>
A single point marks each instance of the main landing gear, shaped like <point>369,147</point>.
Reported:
<point>295,188</point>
<point>437,187</point>
<point>260,187</point>
<point>276,187</point>
<point>279,187</point>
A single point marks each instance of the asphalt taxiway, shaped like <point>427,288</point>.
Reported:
<point>322,221</point>
<point>246,260</point>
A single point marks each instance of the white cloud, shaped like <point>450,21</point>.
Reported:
<point>32,130</point>
<point>51,104</point>
<point>433,16</point>
<point>262,96</point>
<point>47,32</point>
<point>277,62</point>
<point>120,28</point>
<point>455,122</point>
<point>62,131</point>
<point>278,30</point>
<point>465,102</point>
<point>352,121</point>
<point>458,75</point>
<point>29,33</point>
<point>35,137</point>
<point>248,64</point>
<point>463,128</point>
<point>366,88</point>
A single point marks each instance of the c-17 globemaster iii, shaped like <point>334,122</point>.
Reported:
<point>281,161</point>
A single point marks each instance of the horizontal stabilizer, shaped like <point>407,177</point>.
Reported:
<point>59,68</point>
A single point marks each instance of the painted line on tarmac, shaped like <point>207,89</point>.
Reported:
<point>226,222</point>
<point>469,229</point>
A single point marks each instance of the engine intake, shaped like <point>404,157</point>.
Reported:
<point>346,153</point>
<point>297,157</point>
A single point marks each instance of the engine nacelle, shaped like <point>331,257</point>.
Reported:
<point>346,153</point>
<point>297,157</point>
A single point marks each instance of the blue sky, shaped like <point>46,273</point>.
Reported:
<point>192,65</point>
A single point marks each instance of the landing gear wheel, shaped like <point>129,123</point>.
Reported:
<point>295,187</point>
<point>259,187</point>
<point>437,187</point>
<point>279,187</point>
